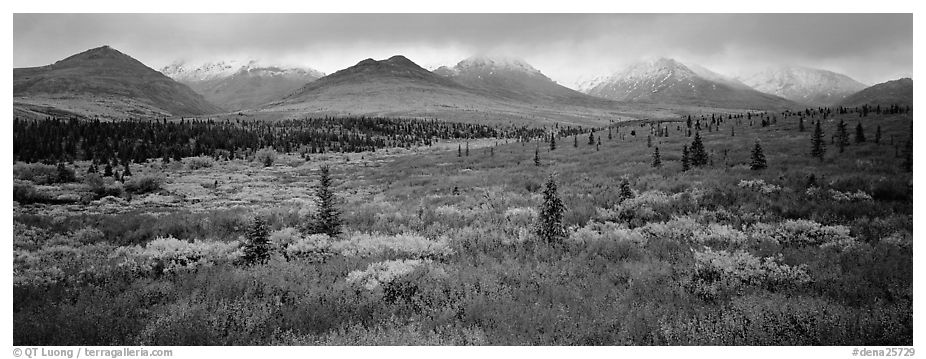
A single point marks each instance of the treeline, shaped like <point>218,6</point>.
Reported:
<point>55,140</point>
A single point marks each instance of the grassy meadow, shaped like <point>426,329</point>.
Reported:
<point>438,246</point>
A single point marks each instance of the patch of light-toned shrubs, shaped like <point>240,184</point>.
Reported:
<point>170,255</point>
<point>800,232</point>
<point>608,231</point>
<point>297,245</point>
<point>760,186</point>
<point>379,273</point>
<point>838,196</point>
<point>195,163</point>
<point>392,274</point>
<point>719,271</point>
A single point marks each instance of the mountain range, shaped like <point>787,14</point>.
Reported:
<point>813,87</point>
<point>104,82</point>
<point>669,81</point>
<point>234,86</point>
<point>896,92</point>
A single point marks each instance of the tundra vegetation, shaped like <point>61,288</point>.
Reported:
<point>739,228</point>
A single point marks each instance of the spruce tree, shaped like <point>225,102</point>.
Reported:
<point>459,150</point>
<point>537,157</point>
<point>842,136</point>
<point>327,220</point>
<point>859,133</point>
<point>649,141</point>
<point>878,135</point>
<point>467,149</point>
<point>552,141</point>
<point>698,155</point>
<point>908,156</point>
<point>819,147</point>
<point>758,158</point>
<point>591,138</point>
<point>800,125</point>
<point>257,248</point>
<point>657,161</point>
<point>686,159</point>
<point>550,227</point>
<point>575,141</point>
<point>625,192</point>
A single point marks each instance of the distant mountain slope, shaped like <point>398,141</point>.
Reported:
<point>235,87</point>
<point>512,79</point>
<point>804,85</point>
<point>896,92</point>
<point>667,81</point>
<point>106,76</point>
<point>399,87</point>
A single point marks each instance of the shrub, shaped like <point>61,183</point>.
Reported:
<point>25,193</point>
<point>101,187</point>
<point>171,255</point>
<point>144,184</point>
<point>195,163</point>
<point>409,244</point>
<point>315,247</point>
<point>720,272</point>
<point>799,232</point>
<point>380,273</point>
<point>266,156</point>
<point>41,173</point>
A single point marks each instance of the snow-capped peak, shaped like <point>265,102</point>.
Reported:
<point>495,63</point>
<point>182,71</point>
<point>661,68</point>
<point>803,84</point>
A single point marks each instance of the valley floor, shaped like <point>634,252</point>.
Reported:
<point>439,248</point>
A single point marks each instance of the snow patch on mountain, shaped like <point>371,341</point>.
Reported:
<point>803,84</point>
<point>206,71</point>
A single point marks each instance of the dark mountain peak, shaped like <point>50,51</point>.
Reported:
<point>106,72</point>
<point>401,61</point>
<point>99,53</point>
<point>367,62</point>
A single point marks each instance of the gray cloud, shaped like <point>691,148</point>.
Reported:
<point>869,47</point>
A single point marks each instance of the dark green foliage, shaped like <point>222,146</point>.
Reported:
<point>257,247</point>
<point>591,138</point>
<point>908,156</point>
<point>552,141</point>
<point>686,158</point>
<point>328,218</point>
<point>859,133</point>
<point>878,135</point>
<point>818,148</point>
<point>842,136</point>
<point>697,152</point>
<point>657,161</point>
<point>758,158</point>
<point>144,184</point>
<point>537,157</point>
<point>65,174</point>
<point>625,192</point>
<point>550,227</point>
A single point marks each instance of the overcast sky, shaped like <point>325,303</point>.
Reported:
<point>871,48</point>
